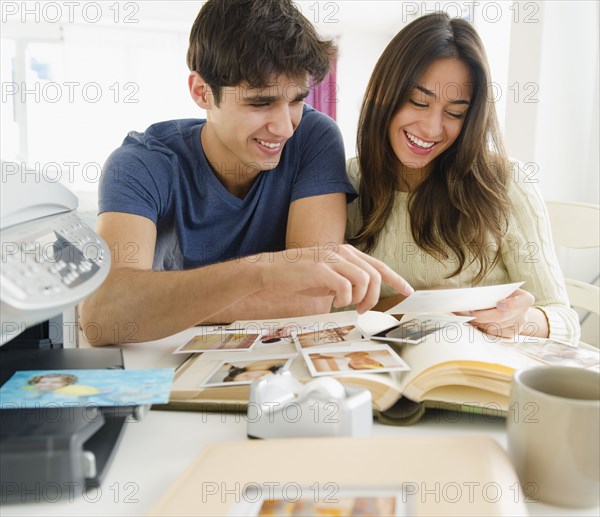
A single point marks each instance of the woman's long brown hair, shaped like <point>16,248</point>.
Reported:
<point>463,200</point>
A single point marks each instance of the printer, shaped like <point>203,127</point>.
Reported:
<point>51,261</point>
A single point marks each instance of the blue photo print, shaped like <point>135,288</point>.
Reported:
<point>62,388</point>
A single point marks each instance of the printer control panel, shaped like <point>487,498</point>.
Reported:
<point>49,260</point>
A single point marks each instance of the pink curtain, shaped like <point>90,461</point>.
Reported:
<point>323,96</point>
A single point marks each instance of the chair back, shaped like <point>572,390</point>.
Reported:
<point>574,225</point>
<point>577,226</point>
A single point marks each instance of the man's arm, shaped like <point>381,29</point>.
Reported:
<point>317,221</point>
<point>137,304</point>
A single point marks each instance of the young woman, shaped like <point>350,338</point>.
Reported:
<point>440,202</point>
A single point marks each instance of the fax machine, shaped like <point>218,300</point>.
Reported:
<point>51,260</point>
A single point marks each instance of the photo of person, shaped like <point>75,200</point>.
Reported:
<point>91,387</point>
<point>52,381</point>
<point>278,335</point>
<point>329,336</point>
<point>337,361</point>
<point>556,353</point>
<point>353,361</point>
<point>58,383</point>
<point>288,331</point>
<point>338,507</point>
<point>261,501</point>
<point>414,331</point>
<point>244,372</point>
<point>218,342</point>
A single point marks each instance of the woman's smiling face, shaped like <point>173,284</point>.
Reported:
<point>432,118</point>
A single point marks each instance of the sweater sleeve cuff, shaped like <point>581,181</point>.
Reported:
<point>560,326</point>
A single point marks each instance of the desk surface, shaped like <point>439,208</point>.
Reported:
<point>155,451</point>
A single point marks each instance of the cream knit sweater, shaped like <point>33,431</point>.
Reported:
<point>526,253</point>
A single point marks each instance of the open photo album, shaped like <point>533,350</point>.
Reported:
<point>408,363</point>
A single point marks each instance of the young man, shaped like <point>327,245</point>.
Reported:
<point>198,213</point>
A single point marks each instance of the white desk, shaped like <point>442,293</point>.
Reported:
<point>155,451</point>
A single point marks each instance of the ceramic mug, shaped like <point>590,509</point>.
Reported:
<point>553,434</point>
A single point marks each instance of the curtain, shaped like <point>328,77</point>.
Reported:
<point>323,96</point>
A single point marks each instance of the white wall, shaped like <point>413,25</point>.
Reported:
<point>358,54</point>
<point>554,65</point>
<point>549,46</point>
<point>566,138</point>
<point>552,49</point>
<point>494,28</point>
<point>554,60</point>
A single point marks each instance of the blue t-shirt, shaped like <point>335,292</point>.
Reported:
<point>163,174</point>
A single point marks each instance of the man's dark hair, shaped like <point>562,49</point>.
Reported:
<point>250,41</point>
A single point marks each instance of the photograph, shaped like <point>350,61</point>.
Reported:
<point>411,332</point>
<point>281,335</point>
<point>364,359</point>
<point>105,387</point>
<point>414,330</point>
<point>330,501</point>
<point>328,335</point>
<point>342,507</point>
<point>234,372</point>
<point>219,342</point>
<point>556,353</point>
